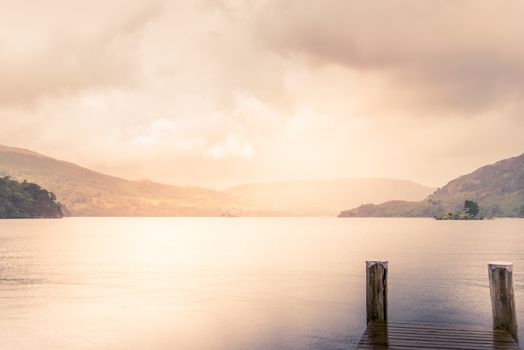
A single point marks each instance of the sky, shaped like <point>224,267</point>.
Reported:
<point>220,92</point>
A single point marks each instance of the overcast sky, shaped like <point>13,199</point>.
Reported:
<point>216,93</point>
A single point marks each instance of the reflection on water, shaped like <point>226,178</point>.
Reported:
<point>238,283</point>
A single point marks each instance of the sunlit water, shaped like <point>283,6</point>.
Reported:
<point>238,283</point>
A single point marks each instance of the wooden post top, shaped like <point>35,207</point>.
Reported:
<point>370,263</point>
<point>500,264</point>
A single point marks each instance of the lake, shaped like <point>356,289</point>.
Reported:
<point>239,283</point>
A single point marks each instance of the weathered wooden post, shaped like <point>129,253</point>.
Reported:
<point>502,297</point>
<point>376,291</point>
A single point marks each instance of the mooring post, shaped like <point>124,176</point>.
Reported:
<point>502,297</point>
<point>376,291</point>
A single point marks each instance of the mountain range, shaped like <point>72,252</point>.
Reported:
<point>498,188</point>
<point>84,192</point>
<point>325,197</point>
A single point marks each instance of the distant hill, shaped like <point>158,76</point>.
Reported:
<point>498,188</point>
<point>88,193</point>
<point>84,192</point>
<point>325,197</point>
<point>22,200</point>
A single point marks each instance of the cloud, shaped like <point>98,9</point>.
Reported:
<point>56,47</point>
<point>454,55</point>
<point>261,90</point>
<point>232,146</point>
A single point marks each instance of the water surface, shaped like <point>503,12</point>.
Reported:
<point>238,283</point>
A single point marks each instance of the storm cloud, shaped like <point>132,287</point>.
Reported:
<point>456,54</point>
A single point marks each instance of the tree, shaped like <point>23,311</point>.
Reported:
<point>521,211</point>
<point>471,208</point>
<point>27,200</point>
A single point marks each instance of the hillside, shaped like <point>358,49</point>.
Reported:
<point>84,192</point>
<point>498,188</point>
<point>325,197</point>
<point>22,200</point>
<point>88,193</point>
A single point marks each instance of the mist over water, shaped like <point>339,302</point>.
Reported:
<point>239,283</point>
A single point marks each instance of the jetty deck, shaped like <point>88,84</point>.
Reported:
<point>410,336</point>
<point>382,335</point>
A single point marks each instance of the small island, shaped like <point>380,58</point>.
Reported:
<point>24,200</point>
<point>471,211</point>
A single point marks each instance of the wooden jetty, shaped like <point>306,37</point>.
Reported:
<point>382,335</point>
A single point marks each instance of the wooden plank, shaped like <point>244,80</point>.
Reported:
<point>447,331</point>
<point>464,342</point>
<point>410,336</point>
<point>443,337</point>
<point>414,341</point>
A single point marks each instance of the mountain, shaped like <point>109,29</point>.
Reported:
<point>84,192</point>
<point>22,200</point>
<point>498,188</point>
<point>88,193</point>
<point>325,197</point>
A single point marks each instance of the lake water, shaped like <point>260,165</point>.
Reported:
<point>239,283</point>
